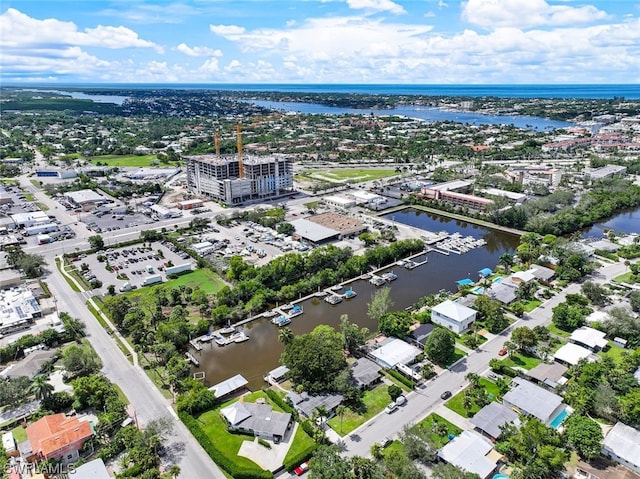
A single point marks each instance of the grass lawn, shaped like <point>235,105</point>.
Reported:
<point>205,279</point>
<point>374,400</point>
<point>356,174</point>
<point>614,352</point>
<point>301,442</point>
<point>19,434</point>
<point>42,206</point>
<point>394,446</point>
<point>457,354</point>
<point>126,160</point>
<point>455,403</point>
<point>464,339</point>
<point>531,305</point>
<point>429,424</point>
<point>521,360</point>
<point>29,197</point>
<point>624,278</point>
<point>553,329</point>
<point>402,386</point>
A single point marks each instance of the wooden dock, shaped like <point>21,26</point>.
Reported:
<point>195,344</point>
<point>191,358</point>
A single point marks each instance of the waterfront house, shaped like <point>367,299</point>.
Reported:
<point>306,404</point>
<point>365,373</point>
<point>257,419</point>
<point>393,351</point>
<point>453,316</point>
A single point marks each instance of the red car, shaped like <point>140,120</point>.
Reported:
<point>502,352</point>
<point>301,469</point>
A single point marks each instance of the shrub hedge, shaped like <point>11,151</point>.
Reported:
<point>291,463</point>
<point>275,397</point>
<point>404,380</point>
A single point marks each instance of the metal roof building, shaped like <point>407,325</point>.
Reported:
<point>622,444</point>
<point>533,400</point>
<point>491,417</point>
<point>314,232</point>
<point>469,452</point>
<point>229,386</point>
<point>393,351</point>
<point>572,354</point>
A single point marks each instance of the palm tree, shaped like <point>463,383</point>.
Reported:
<point>174,471</point>
<point>285,336</point>
<point>340,410</point>
<point>510,346</point>
<point>467,401</point>
<point>40,388</point>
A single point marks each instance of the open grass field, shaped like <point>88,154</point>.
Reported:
<point>531,305</point>
<point>614,352</point>
<point>205,279</point>
<point>553,329</point>
<point>455,403</point>
<point>357,175</point>
<point>375,400</point>
<point>127,160</point>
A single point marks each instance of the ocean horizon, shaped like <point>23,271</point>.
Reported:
<point>578,91</point>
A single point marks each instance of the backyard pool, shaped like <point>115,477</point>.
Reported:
<point>559,419</point>
<point>500,476</point>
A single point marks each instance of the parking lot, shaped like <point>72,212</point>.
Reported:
<point>103,222</point>
<point>133,264</point>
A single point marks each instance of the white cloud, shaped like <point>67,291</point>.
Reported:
<point>527,13</point>
<point>442,4</point>
<point>429,14</point>
<point>145,13</point>
<point>198,51</point>
<point>21,31</point>
<point>227,30</point>
<point>210,66</point>
<point>376,6</point>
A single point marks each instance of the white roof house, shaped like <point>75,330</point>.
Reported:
<point>469,452</point>
<point>589,338</point>
<point>453,316</point>
<point>394,351</point>
<point>92,470</point>
<point>522,276</point>
<point>533,400</point>
<point>572,354</point>
<point>622,445</point>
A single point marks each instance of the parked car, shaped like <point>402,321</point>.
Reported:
<point>386,442</point>
<point>301,469</point>
<point>400,400</point>
<point>502,352</point>
<point>445,395</point>
<point>391,407</point>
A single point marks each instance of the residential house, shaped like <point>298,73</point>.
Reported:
<point>394,351</point>
<point>572,354</point>
<point>492,417</point>
<point>622,444</point>
<point>365,373</point>
<point>257,419</point>
<point>307,404</point>
<point>542,273</point>
<point>589,338</point>
<point>58,437</point>
<point>469,452</point>
<point>533,400</point>
<point>453,316</point>
<point>91,470</point>
<point>505,292</point>
<point>420,334</point>
<point>549,374</point>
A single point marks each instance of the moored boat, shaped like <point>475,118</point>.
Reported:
<point>333,299</point>
<point>348,294</point>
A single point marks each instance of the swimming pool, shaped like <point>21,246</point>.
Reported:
<point>500,476</point>
<point>498,280</point>
<point>558,419</point>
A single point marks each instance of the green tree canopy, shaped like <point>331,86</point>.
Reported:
<point>585,435</point>
<point>440,346</point>
<point>315,359</point>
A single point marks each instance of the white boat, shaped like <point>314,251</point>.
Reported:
<point>377,281</point>
<point>365,276</point>
<point>239,337</point>
<point>286,307</point>
<point>337,287</point>
<point>390,276</point>
<point>333,299</point>
<point>321,294</point>
<point>270,314</point>
<point>296,311</point>
<point>206,338</point>
<point>228,330</point>
<point>410,264</point>
<point>348,294</point>
<point>221,340</point>
<point>282,321</point>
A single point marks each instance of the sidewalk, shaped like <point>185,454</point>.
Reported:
<point>454,418</point>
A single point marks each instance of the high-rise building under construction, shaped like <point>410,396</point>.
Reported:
<point>236,179</point>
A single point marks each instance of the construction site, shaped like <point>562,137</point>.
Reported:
<point>234,179</point>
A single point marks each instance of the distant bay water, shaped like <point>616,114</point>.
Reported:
<point>629,91</point>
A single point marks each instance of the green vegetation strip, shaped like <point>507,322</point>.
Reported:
<point>106,327</point>
<point>205,279</point>
<point>433,422</point>
<point>356,174</point>
<point>131,160</point>
<point>42,206</point>
<point>69,281</point>
<point>19,434</point>
<point>402,385</point>
<point>374,401</point>
<point>521,361</point>
<point>29,197</point>
<point>466,219</point>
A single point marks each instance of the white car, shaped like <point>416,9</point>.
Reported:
<point>401,400</point>
<point>391,407</point>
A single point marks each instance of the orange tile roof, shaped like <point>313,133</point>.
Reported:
<point>53,433</point>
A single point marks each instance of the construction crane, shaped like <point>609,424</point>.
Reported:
<point>240,165</point>
<point>216,141</point>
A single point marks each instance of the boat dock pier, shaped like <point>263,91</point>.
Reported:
<point>195,344</point>
<point>191,358</point>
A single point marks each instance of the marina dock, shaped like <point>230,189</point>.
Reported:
<point>191,358</point>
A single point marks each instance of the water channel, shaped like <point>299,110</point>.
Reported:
<point>624,222</point>
<point>262,352</point>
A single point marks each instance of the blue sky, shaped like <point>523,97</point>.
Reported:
<point>320,41</point>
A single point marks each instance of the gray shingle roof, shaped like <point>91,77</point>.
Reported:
<point>492,416</point>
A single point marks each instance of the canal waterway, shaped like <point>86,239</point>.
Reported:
<point>428,114</point>
<point>262,352</point>
<point>624,222</point>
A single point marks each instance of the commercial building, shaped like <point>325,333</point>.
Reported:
<point>453,316</point>
<point>29,219</point>
<point>231,181</point>
<point>85,198</point>
<point>607,171</point>
<point>622,445</point>
<point>18,308</point>
<point>189,204</point>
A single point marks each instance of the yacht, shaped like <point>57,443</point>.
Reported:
<point>282,321</point>
<point>337,287</point>
<point>296,311</point>
<point>348,294</point>
<point>377,281</point>
<point>228,330</point>
<point>221,340</point>
<point>270,314</point>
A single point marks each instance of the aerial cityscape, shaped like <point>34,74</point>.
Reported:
<point>349,239</point>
